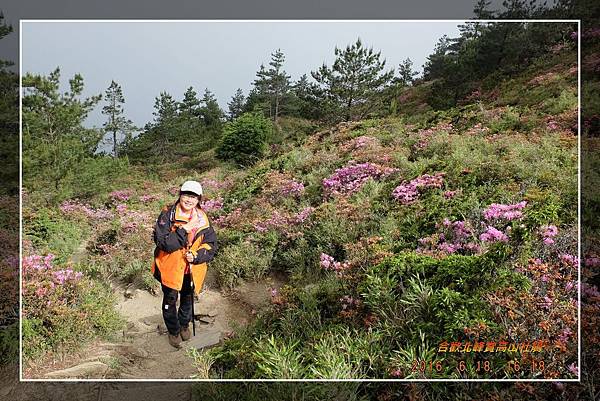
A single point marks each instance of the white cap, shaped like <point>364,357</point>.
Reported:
<point>192,186</point>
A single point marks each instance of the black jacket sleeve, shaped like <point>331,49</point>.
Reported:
<point>205,255</point>
<point>164,238</point>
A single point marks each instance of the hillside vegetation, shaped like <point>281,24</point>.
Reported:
<point>398,236</point>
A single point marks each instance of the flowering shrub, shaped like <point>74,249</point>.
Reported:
<point>547,310</point>
<point>454,237</point>
<point>279,186</point>
<point>75,207</point>
<point>283,222</point>
<point>229,220</point>
<point>350,179</point>
<point>497,211</point>
<point>122,195</point>
<point>492,234</point>
<point>360,142</point>
<point>215,184</point>
<point>277,220</point>
<point>329,263</point>
<point>549,232</point>
<point>552,125</point>
<point>121,208</point>
<point>148,198</point>
<point>450,194</point>
<point>407,193</point>
<point>477,130</point>
<point>56,303</point>
<point>212,205</point>
<point>301,216</point>
<point>292,188</point>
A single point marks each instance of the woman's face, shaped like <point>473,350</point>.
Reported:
<point>188,202</point>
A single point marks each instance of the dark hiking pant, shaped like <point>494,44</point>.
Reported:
<point>176,319</point>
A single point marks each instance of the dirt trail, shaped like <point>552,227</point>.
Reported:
<point>142,349</point>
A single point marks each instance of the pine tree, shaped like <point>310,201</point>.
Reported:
<point>160,136</point>
<point>259,98</point>
<point>354,81</point>
<point>406,75</point>
<point>116,123</point>
<point>55,143</point>
<point>271,87</point>
<point>165,109</point>
<point>278,81</point>
<point>190,105</point>
<point>236,106</point>
<point>212,115</point>
<point>210,111</point>
<point>307,100</point>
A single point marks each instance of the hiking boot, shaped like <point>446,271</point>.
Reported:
<point>175,341</point>
<point>185,333</point>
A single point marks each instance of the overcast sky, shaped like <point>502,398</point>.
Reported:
<point>146,58</point>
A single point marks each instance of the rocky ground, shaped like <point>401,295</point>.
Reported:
<point>142,350</point>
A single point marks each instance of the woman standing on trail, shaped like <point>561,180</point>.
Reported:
<point>185,243</point>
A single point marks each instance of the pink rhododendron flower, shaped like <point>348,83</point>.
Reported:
<point>329,263</point>
<point>303,215</point>
<point>548,241</point>
<point>493,235</point>
<point>70,207</point>
<point>564,336</point>
<point>350,179</point>
<point>507,212</point>
<point>569,259</point>
<point>62,276</point>
<point>348,302</point>
<point>148,198</point>
<point>121,195</point>
<point>574,369</point>
<point>450,194</point>
<point>407,193</point>
<point>546,303</point>
<point>363,141</point>
<point>291,188</point>
<point>212,205</point>
<point>41,291</point>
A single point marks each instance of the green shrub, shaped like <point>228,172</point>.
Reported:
<point>509,121</point>
<point>244,139</point>
<point>244,260</point>
<point>438,296</point>
<point>344,353</point>
<point>250,185</point>
<point>67,317</point>
<point>51,233</point>
<point>96,176</point>
<point>278,358</point>
<point>9,343</point>
<point>557,104</point>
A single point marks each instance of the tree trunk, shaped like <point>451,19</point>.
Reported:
<point>115,144</point>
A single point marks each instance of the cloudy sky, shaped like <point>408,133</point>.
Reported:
<point>146,58</point>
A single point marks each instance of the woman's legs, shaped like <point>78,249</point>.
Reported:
<point>185,302</point>
<point>169,310</point>
<point>176,320</point>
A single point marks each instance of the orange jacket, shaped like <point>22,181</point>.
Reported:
<point>172,244</point>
